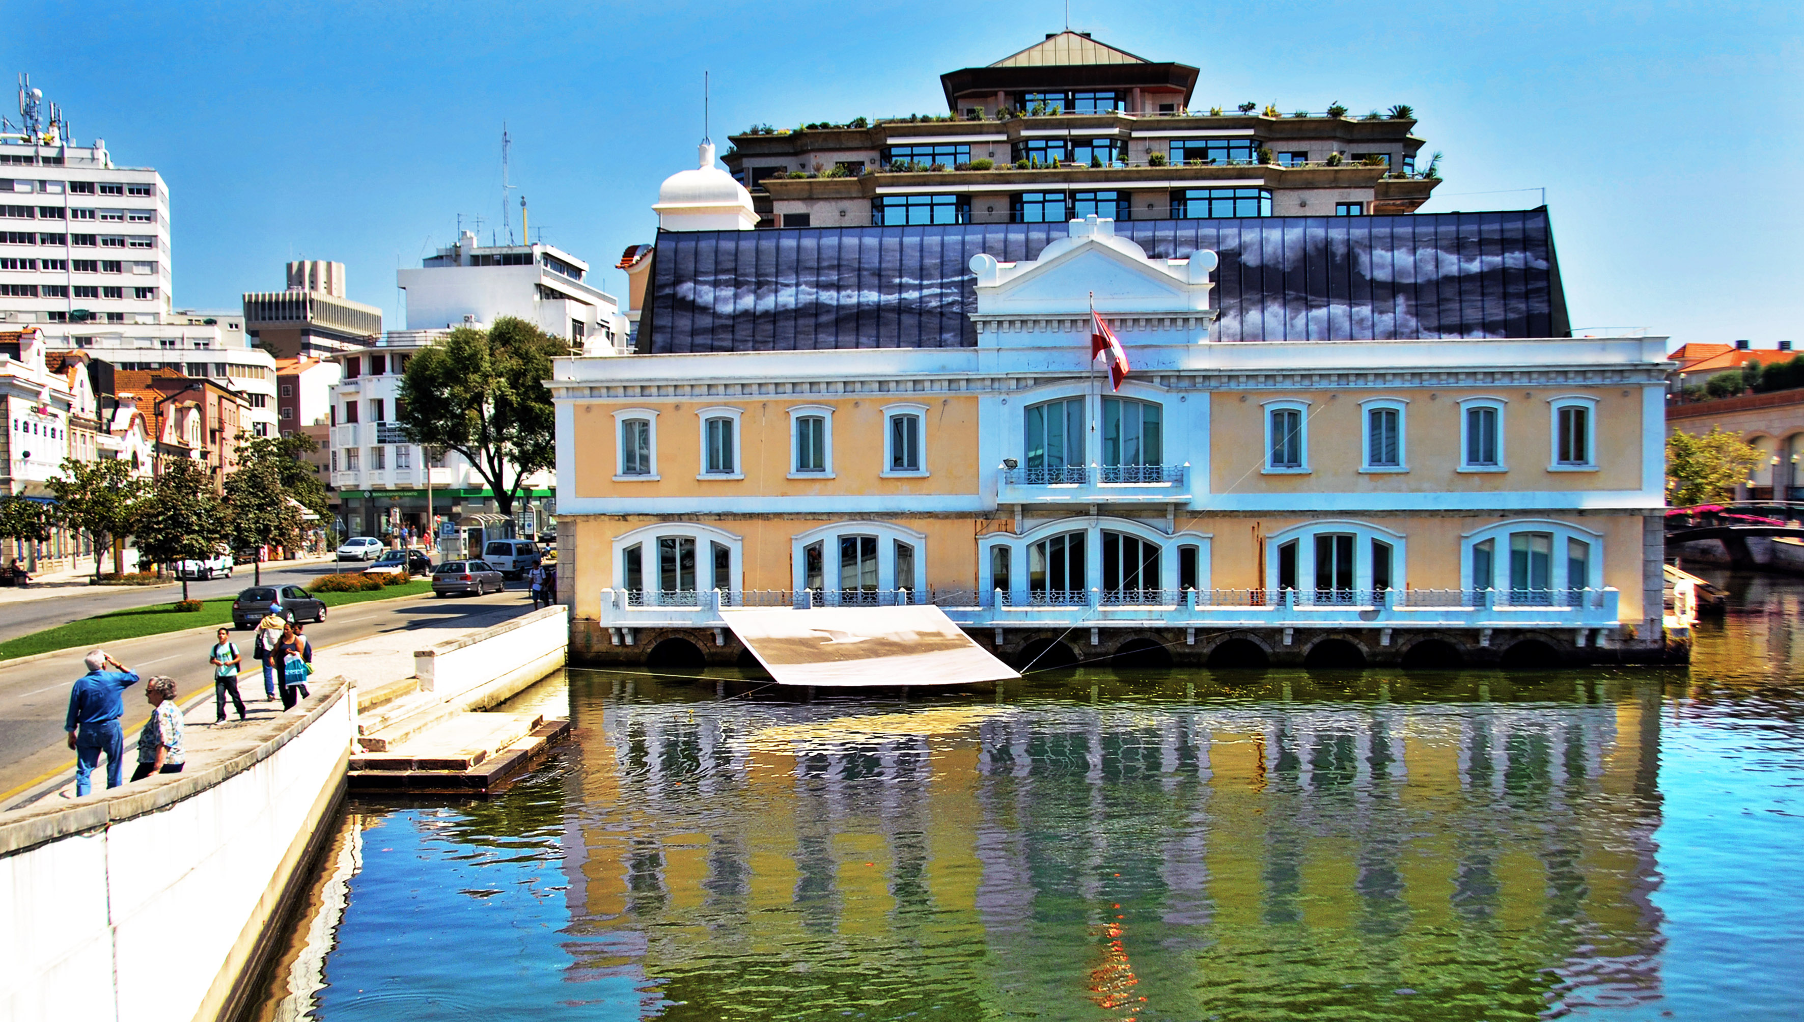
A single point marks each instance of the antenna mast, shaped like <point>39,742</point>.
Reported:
<point>506,142</point>
<point>705,136</point>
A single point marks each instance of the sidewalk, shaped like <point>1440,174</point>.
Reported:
<point>75,583</point>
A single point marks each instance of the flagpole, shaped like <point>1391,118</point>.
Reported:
<point>1094,448</point>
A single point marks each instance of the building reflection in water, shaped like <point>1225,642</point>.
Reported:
<point>1065,858</point>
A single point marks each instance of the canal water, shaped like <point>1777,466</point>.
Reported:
<point>1093,844</point>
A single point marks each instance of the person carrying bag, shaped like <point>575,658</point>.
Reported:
<point>294,654</point>
<point>226,661</point>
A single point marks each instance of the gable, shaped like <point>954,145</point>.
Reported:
<point>1065,49</point>
<point>1069,281</point>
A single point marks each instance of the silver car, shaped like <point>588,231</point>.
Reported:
<point>471,577</point>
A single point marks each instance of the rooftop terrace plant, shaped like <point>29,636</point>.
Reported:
<point>1403,112</point>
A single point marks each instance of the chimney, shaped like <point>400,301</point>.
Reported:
<point>1743,345</point>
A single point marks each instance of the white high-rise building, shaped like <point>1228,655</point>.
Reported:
<point>472,283</point>
<point>85,259</point>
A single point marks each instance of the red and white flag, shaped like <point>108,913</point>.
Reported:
<point>1104,342</point>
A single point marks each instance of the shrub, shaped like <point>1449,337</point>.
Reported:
<point>1020,164</point>
<point>1265,154</point>
<point>1373,116</point>
<point>1334,159</point>
<point>1247,108</point>
<point>1215,111</point>
<point>347,583</point>
<point>1336,109</point>
<point>983,163</point>
<point>1155,160</point>
<point>1403,112</point>
<point>188,606</point>
<point>1726,384</point>
<point>1271,110</point>
<point>130,578</point>
<point>399,578</point>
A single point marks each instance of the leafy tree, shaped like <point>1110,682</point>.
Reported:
<point>24,520</point>
<point>480,393</point>
<point>287,456</point>
<point>182,519</point>
<point>1726,384</point>
<point>258,510</point>
<point>1705,469</point>
<point>100,499</point>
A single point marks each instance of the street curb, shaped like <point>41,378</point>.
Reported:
<point>91,590</point>
<point>198,629</point>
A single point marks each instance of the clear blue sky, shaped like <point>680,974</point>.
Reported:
<point>1666,135</point>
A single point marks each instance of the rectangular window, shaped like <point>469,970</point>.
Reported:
<point>350,412</point>
<point>19,290</point>
<point>789,220</point>
<point>377,406</point>
<point>1287,565</point>
<point>378,457</point>
<point>1384,438</point>
<point>18,264</point>
<point>632,568</point>
<point>915,210</point>
<point>1056,565</point>
<point>1129,564</point>
<point>635,447</point>
<point>112,216</point>
<point>1578,565</point>
<point>858,563</point>
<point>1107,205</point>
<point>719,442</point>
<point>1079,102</point>
<point>1219,203</point>
<point>1039,208</point>
<point>287,413</point>
<point>905,566</point>
<point>144,294</point>
<point>142,242</point>
<point>723,566</point>
<point>287,390</point>
<point>1098,152</point>
<point>403,455</point>
<point>138,216</point>
<point>999,568</point>
<point>1333,565</point>
<point>949,154</point>
<point>50,212</point>
<point>83,240</point>
<point>905,443</point>
<point>1132,436</point>
<point>86,266</point>
<point>1481,437</point>
<point>1484,564</point>
<point>1531,566</point>
<point>1213,151</point>
<point>111,189</point>
<point>1055,441</point>
<point>811,443</point>
<point>115,266</point>
<point>1574,435</point>
<point>353,462</point>
<point>140,190</point>
<point>1349,209</point>
<point>1286,438</point>
<point>1373,159</point>
<point>18,238</point>
<point>111,241</point>
<point>676,564</point>
<point>1189,567</point>
<point>353,367</point>
<point>1409,164</point>
<point>58,265</point>
<point>81,188</point>
<point>1381,565</point>
<point>813,567</point>
<point>81,214</point>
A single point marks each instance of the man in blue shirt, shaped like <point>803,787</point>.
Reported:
<point>95,707</point>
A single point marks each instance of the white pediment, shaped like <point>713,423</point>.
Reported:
<point>1093,265</point>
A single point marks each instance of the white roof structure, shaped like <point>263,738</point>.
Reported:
<point>1067,48</point>
<point>705,199</point>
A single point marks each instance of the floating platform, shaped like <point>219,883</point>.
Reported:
<point>469,754</point>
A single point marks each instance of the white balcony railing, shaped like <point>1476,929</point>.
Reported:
<point>1152,608</point>
<point>1093,484</point>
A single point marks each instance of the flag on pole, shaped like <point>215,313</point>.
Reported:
<point>1104,342</point>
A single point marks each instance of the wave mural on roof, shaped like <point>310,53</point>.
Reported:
<point>1468,275</point>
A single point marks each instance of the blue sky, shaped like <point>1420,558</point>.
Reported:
<point>1667,135</point>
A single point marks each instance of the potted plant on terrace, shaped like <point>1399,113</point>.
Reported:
<point>1336,109</point>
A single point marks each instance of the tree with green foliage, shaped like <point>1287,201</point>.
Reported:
<point>259,511</point>
<point>287,456</point>
<point>24,520</point>
<point>1706,469</point>
<point>1727,384</point>
<point>182,519</point>
<point>481,393</point>
<point>99,498</point>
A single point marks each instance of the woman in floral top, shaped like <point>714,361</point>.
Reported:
<point>160,743</point>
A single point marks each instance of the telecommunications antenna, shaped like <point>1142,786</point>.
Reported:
<point>506,142</point>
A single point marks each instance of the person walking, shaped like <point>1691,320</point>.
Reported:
<point>160,740</point>
<point>295,655</point>
<point>550,585</point>
<point>226,661</point>
<point>269,634</point>
<point>535,579</point>
<point>92,722</point>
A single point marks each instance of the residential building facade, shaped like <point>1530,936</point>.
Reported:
<point>1071,127</point>
<point>1342,441</point>
<point>49,411</point>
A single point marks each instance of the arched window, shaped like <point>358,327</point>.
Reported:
<point>1061,561</point>
<point>1130,565</point>
<point>1054,442</point>
<point>670,564</point>
<point>1133,440</point>
<point>855,562</point>
<point>1533,562</point>
<point>1335,562</point>
<point>1055,567</point>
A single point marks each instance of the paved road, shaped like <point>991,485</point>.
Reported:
<point>23,618</point>
<point>35,695</point>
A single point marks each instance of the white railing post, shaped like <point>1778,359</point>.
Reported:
<point>1489,600</point>
<point>1190,601</point>
<point>715,601</point>
<point>996,599</point>
<point>1093,599</point>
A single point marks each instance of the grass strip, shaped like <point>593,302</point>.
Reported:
<point>161,618</point>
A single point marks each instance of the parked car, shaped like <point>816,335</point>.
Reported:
<point>210,567</point>
<point>393,562</point>
<point>472,577</point>
<point>361,548</point>
<point>512,557</point>
<point>297,605</point>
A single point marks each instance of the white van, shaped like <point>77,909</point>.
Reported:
<point>513,558</point>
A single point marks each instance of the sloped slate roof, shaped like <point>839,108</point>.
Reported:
<point>1067,48</point>
<point>1280,279</point>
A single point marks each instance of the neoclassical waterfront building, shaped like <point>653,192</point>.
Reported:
<point>1341,440</point>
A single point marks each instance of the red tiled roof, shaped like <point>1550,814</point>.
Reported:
<point>632,255</point>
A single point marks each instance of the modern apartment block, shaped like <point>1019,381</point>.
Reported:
<point>204,346</point>
<point>1071,127</point>
<point>312,317</point>
<point>473,283</point>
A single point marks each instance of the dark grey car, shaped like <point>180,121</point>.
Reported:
<point>297,605</point>
<point>472,577</point>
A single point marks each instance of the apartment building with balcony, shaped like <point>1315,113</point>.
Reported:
<point>199,345</point>
<point>1072,127</point>
<point>312,317</point>
<point>381,479</point>
<point>1342,440</point>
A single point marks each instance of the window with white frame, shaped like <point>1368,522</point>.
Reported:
<point>903,436</point>
<point>720,443</point>
<point>1533,562</point>
<point>811,441</point>
<point>636,444</point>
<point>670,563</point>
<point>1574,433</point>
<point>403,456</point>
<point>1286,436</point>
<point>857,561</point>
<point>1061,561</point>
<point>1133,440</point>
<point>1329,562</point>
<point>1382,444</point>
<point>1481,435</point>
<point>1053,441</point>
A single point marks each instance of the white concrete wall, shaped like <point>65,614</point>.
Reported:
<point>146,906</point>
<point>526,647</point>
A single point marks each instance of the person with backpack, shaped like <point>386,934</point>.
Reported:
<point>269,636</point>
<point>226,661</point>
<point>294,655</point>
<point>535,579</point>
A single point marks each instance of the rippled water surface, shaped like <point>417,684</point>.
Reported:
<point>1608,844</point>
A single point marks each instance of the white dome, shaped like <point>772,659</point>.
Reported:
<point>706,198</point>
